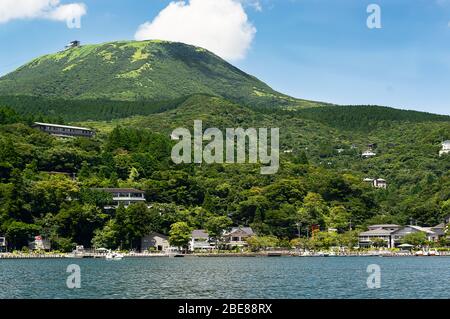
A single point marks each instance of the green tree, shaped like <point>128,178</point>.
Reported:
<point>180,235</point>
<point>312,211</point>
<point>349,239</point>
<point>257,243</point>
<point>107,237</point>
<point>416,239</point>
<point>378,242</point>
<point>18,234</point>
<point>216,225</point>
<point>133,223</point>
<point>338,217</point>
<point>324,240</point>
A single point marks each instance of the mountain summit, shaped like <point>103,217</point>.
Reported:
<point>135,71</point>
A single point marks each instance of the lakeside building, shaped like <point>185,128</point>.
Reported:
<point>155,241</point>
<point>445,148</point>
<point>382,231</point>
<point>123,196</point>
<point>200,240</point>
<point>237,236</point>
<point>40,243</point>
<point>64,130</point>
<point>393,235</point>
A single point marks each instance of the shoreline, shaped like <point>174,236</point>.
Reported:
<point>212,255</point>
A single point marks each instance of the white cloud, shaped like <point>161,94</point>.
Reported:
<point>220,26</point>
<point>42,9</point>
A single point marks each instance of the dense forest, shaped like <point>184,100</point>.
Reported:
<point>320,181</point>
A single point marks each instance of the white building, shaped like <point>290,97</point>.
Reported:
<point>200,241</point>
<point>445,148</point>
<point>237,236</point>
<point>123,196</point>
<point>368,153</point>
<point>393,235</point>
<point>64,130</point>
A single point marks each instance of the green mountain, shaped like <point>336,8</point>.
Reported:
<point>138,71</point>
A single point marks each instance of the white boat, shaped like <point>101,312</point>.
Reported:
<point>306,253</point>
<point>113,256</point>
<point>174,252</point>
<point>433,252</point>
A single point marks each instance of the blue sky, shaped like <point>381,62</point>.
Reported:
<point>313,49</point>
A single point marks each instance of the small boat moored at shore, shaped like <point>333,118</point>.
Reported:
<point>113,256</point>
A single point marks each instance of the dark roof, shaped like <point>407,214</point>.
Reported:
<point>377,232</point>
<point>199,233</point>
<point>241,231</point>
<point>383,226</point>
<point>119,190</point>
<point>155,234</point>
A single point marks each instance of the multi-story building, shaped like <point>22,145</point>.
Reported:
<point>64,130</point>
<point>123,196</point>
<point>393,234</point>
<point>383,232</point>
<point>237,236</point>
<point>200,240</point>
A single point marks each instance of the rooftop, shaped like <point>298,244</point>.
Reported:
<point>377,232</point>
<point>199,233</point>
<point>245,230</point>
<point>422,229</point>
<point>63,126</point>
<point>383,226</point>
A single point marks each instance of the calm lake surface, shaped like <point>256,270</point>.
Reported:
<point>195,277</point>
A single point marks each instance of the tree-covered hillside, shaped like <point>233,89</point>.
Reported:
<point>319,183</point>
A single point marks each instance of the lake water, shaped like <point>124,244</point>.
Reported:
<point>191,277</point>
